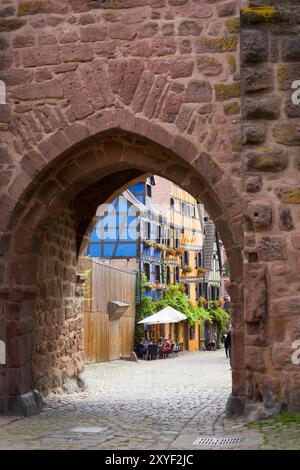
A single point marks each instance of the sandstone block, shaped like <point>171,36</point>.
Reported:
<point>41,55</point>
<point>227,92</point>
<point>254,46</point>
<point>287,134</point>
<point>257,78</point>
<point>198,92</point>
<point>261,108</point>
<point>272,248</point>
<point>272,160</point>
<point>253,132</point>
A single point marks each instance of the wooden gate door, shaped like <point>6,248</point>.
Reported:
<point>114,340</point>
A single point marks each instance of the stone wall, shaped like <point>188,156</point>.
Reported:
<point>174,61</point>
<point>270,50</point>
<point>100,92</point>
<point>166,71</point>
<point>58,319</point>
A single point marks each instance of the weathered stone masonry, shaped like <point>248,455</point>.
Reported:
<point>270,51</point>
<point>100,93</point>
<point>58,319</point>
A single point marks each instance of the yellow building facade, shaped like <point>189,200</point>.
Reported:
<point>183,238</point>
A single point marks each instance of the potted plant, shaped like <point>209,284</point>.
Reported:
<point>203,302</point>
<point>160,286</point>
<point>170,252</point>
<point>187,269</point>
<point>201,271</point>
<point>147,243</point>
<point>179,251</point>
<point>181,288</point>
<point>159,246</point>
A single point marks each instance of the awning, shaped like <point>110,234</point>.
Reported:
<point>166,315</point>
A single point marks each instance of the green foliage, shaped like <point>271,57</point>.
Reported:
<point>153,244</point>
<point>144,310</point>
<point>170,252</point>
<point>164,271</point>
<point>174,297</point>
<point>218,316</point>
<point>187,269</point>
<point>145,283</point>
<point>285,418</point>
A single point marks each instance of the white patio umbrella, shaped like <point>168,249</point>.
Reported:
<point>166,315</point>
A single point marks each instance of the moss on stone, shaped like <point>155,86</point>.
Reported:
<point>291,196</point>
<point>261,15</point>
<point>11,24</point>
<point>270,160</point>
<point>225,44</point>
<point>236,144</point>
<point>281,75</point>
<point>227,92</point>
<point>233,25</point>
<point>111,16</point>
<point>29,7</point>
<point>232,108</point>
<point>287,134</point>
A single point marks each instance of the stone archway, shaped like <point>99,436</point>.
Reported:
<point>164,76</point>
<point>42,258</point>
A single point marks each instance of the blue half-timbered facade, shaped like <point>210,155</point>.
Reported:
<point>123,228</point>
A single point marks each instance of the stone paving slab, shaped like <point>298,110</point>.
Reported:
<point>148,405</point>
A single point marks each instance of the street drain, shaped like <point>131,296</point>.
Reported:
<point>217,441</point>
<point>88,430</point>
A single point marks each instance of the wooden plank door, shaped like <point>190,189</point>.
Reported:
<point>114,340</point>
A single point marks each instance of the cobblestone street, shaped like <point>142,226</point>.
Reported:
<point>163,404</point>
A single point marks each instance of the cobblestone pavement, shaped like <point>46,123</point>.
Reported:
<point>163,404</point>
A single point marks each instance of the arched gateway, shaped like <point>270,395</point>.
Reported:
<point>100,93</point>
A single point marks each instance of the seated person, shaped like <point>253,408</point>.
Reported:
<point>147,341</point>
<point>166,347</point>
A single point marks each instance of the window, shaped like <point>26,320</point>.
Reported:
<point>200,290</point>
<point>168,275</point>
<point>186,209</point>
<point>158,234</point>
<point>172,203</point>
<point>205,290</point>
<point>187,289</point>
<point>168,237</point>
<point>147,270</point>
<point>157,273</point>
<point>199,260</point>
<point>213,293</point>
<point>194,212</point>
<point>185,258</point>
<point>147,229</point>
<point>149,190</point>
<point>176,275</point>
